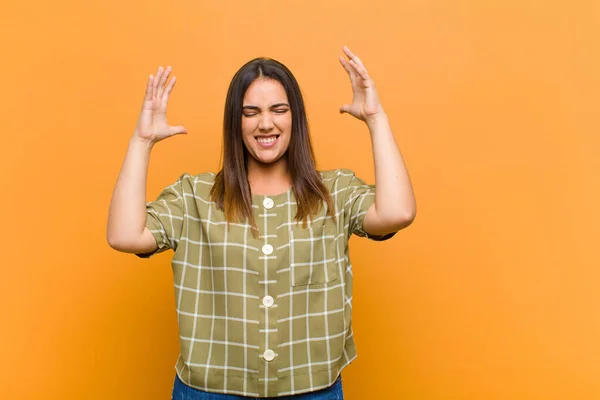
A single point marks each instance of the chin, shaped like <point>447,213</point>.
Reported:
<point>266,160</point>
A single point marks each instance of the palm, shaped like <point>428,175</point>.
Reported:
<point>153,117</point>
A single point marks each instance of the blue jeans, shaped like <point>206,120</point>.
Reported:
<point>183,392</point>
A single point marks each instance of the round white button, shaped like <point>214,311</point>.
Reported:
<point>268,203</point>
<point>269,355</point>
<point>267,249</point>
<point>268,301</point>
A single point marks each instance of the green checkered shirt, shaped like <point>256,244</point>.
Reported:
<point>268,316</point>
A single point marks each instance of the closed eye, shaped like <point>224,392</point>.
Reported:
<point>252,110</point>
<point>249,113</point>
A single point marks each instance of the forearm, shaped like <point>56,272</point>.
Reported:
<point>394,197</point>
<point>127,212</point>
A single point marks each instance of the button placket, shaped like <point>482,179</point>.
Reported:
<point>268,301</point>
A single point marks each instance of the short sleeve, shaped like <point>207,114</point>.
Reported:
<point>164,217</point>
<point>359,197</point>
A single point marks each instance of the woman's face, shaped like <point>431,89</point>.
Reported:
<point>266,120</point>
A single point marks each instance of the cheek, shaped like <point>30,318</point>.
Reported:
<point>246,133</point>
<point>247,128</point>
<point>286,123</point>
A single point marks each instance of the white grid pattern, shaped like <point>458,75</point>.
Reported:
<point>222,276</point>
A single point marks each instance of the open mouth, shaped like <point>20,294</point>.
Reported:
<point>267,141</point>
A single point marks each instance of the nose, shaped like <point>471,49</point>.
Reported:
<point>266,123</point>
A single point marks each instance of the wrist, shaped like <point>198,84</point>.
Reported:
<point>376,120</point>
<point>139,142</point>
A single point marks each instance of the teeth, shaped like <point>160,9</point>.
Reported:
<point>267,140</point>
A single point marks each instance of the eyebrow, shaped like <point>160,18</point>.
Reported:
<point>258,108</point>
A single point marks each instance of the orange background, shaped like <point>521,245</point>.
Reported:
<point>492,293</point>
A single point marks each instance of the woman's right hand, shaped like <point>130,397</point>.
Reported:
<point>152,124</point>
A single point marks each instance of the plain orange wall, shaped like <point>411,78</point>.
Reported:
<point>492,293</point>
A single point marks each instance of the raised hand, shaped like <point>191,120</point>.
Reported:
<point>365,100</point>
<point>152,124</point>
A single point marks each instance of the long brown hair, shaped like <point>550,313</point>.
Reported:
<point>231,190</point>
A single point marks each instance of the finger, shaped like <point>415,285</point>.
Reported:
<point>355,58</point>
<point>360,69</point>
<point>348,69</point>
<point>149,86</point>
<point>169,87</point>
<point>348,52</point>
<point>177,130</point>
<point>155,83</point>
<point>163,80</point>
<point>345,109</point>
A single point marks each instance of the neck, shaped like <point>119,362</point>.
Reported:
<point>271,178</point>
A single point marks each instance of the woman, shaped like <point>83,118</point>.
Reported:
<point>263,279</point>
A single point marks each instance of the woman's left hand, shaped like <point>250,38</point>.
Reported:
<point>365,101</point>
